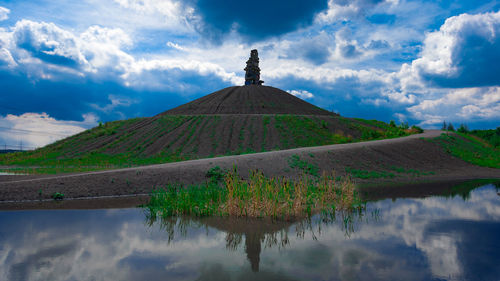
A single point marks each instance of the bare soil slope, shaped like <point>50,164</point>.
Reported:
<point>252,99</point>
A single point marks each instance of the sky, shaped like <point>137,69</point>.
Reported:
<point>65,66</point>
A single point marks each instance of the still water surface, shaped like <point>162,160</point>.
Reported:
<point>435,238</point>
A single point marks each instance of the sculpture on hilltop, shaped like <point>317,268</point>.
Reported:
<point>252,75</point>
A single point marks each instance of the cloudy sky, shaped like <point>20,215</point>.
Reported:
<point>67,65</point>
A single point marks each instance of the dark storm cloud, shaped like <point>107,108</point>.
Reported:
<point>254,20</point>
<point>314,50</point>
<point>69,98</point>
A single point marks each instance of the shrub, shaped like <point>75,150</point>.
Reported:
<point>463,129</point>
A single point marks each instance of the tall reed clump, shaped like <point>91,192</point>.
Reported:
<point>257,196</point>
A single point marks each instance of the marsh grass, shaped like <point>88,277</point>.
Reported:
<point>257,196</point>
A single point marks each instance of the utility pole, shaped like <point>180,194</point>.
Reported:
<point>21,146</point>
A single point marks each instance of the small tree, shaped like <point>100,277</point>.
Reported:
<point>463,129</point>
<point>392,123</point>
<point>450,127</point>
<point>444,128</point>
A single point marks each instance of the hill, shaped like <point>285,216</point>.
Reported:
<point>250,99</point>
<point>235,120</point>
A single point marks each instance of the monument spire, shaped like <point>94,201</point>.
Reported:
<point>252,74</point>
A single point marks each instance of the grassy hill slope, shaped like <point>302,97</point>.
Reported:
<point>168,138</point>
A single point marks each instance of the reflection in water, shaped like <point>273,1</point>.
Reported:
<point>257,232</point>
<point>404,239</point>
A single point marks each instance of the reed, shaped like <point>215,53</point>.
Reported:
<point>257,196</point>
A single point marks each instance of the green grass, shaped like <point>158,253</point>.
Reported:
<point>374,129</point>
<point>470,149</point>
<point>364,174</point>
<point>295,162</point>
<point>303,131</point>
<point>258,196</point>
<point>490,136</point>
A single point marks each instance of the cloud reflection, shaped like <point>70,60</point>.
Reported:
<point>410,239</point>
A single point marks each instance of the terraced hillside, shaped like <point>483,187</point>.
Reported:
<point>250,99</point>
<point>169,137</point>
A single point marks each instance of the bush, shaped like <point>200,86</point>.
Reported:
<point>417,129</point>
<point>58,196</point>
<point>463,129</point>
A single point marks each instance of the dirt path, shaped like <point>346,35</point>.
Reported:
<point>411,152</point>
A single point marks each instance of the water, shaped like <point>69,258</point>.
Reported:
<point>436,238</point>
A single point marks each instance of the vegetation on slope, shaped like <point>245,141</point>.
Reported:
<point>258,196</point>
<point>470,148</point>
<point>491,136</point>
<point>170,138</point>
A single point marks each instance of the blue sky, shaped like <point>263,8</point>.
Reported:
<point>67,65</point>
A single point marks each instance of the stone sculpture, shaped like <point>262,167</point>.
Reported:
<point>252,75</point>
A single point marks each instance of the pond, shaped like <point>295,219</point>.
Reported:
<point>454,237</point>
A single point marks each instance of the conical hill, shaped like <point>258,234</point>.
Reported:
<point>251,99</point>
<point>231,121</point>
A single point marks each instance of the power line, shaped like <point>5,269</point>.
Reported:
<point>16,147</point>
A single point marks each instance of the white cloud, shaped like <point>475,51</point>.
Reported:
<point>4,13</point>
<point>6,58</point>
<point>470,104</point>
<point>115,103</point>
<point>39,129</point>
<point>175,46</point>
<point>303,94</point>
<point>348,10</point>
<point>463,52</point>
<point>45,50</point>
<point>174,14</point>
<point>201,67</point>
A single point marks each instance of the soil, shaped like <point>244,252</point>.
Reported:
<point>252,99</point>
<point>412,152</point>
<point>202,136</point>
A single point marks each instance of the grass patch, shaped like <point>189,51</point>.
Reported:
<point>258,196</point>
<point>306,167</point>
<point>363,174</point>
<point>469,149</point>
<point>57,196</point>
